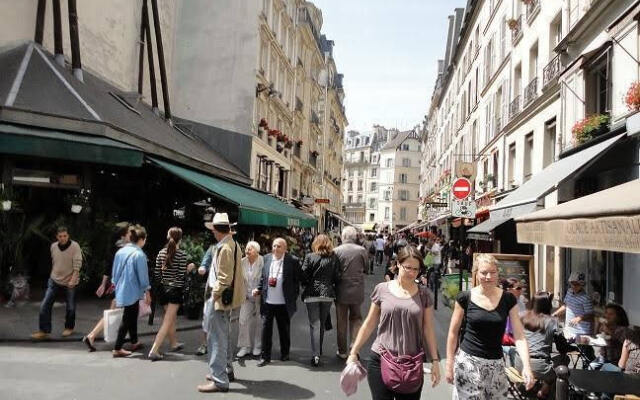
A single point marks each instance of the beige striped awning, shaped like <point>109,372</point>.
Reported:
<point>606,220</point>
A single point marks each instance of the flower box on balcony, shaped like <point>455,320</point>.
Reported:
<point>590,127</point>
<point>632,98</point>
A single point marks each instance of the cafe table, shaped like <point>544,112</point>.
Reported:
<point>604,382</point>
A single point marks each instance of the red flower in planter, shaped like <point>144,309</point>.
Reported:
<point>263,123</point>
<point>632,97</point>
<point>584,129</point>
<point>273,132</point>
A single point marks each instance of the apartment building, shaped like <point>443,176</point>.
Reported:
<point>360,175</point>
<point>518,82</point>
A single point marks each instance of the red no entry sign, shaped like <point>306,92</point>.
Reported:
<point>461,188</point>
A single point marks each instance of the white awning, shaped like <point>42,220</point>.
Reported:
<point>606,220</point>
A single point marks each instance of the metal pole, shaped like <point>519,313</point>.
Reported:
<point>76,64</point>
<point>562,383</point>
<point>141,51</point>
<point>42,6</point>
<point>57,33</point>
<point>163,71</point>
<point>152,71</point>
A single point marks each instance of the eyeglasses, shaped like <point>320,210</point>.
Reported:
<point>517,288</point>
<point>406,268</point>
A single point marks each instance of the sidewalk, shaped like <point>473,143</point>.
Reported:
<point>18,323</point>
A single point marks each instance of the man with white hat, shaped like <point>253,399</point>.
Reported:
<point>224,292</point>
<point>577,307</point>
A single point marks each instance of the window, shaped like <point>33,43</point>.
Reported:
<point>360,185</point>
<point>403,178</point>
<point>359,199</point>
<point>387,195</point>
<point>405,147</point>
<point>496,171</point>
<point>389,162</point>
<point>350,199</point>
<point>386,213</point>
<point>374,187</point>
<point>403,214</point>
<point>598,84</point>
<point>350,172</point>
<point>512,165</point>
<point>528,156</point>
<point>374,172</point>
<point>549,155</point>
<point>350,185</point>
<point>404,195</point>
<point>372,202</point>
<point>406,162</point>
<point>372,217</point>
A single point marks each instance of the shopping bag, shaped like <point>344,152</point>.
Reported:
<point>112,321</point>
<point>144,309</point>
<point>351,375</point>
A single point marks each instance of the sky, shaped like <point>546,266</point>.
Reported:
<point>388,52</point>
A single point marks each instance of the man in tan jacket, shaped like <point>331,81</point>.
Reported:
<point>225,272</point>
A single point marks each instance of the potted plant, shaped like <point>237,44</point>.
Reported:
<point>589,127</point>
<point>263,123</point>
<point>80,200</point>
<point>512,23</point>
<point>288,144</point>
<point>632,98</point>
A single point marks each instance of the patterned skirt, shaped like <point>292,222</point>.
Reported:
<point>477,378</point>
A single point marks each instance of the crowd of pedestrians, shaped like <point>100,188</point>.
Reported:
<point>491,324</point>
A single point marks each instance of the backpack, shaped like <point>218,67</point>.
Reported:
<point>372,248</point>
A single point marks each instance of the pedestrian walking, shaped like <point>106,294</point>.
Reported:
<point>130,274</point>
<point>250,327</point>
<point>402,311</point>
<point>370,245</point>
<point>319,276</point>
<point>107,288</point>
<point>349,290</point>
<point>225,292</point>
<point>170,274</point>
<point>380,242</point>
<point>66,262</point>
<point>476,368</point>
<point>279,289</point>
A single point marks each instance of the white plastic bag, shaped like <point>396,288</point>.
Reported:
<point>112,321</point>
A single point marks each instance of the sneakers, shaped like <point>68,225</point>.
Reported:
<point>202,350</point>
<point>257,351</point>
<point>40,335</point>
<point>243,352</point>
<point>315,361</point>
<point>67,332</point>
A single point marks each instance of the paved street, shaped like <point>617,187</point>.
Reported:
<point>66,371</point>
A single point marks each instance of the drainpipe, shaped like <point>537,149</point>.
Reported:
<point>163,71</point>
<point>42,6</point>
<point>57,33</point>
<point>152,72</point>
<point>76,64</point>
<point>141,52</point>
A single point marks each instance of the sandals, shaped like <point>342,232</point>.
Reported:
<point>88,342</point>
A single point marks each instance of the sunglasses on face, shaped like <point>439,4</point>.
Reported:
<point>517,288</point>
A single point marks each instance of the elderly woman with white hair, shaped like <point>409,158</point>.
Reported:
<point>350,288</point>
<point>250,330</point>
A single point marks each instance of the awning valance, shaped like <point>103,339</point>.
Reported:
<point>48,143</point>
<point>606,220</point>
<point>524,199</point>
<point>369,227</point>
<point>484,231</point>
<point>255,208</point>
<point>410,226</point>
<point>339,218</point>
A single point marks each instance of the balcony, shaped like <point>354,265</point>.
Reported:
<point>516,30</point>
<point>514,107</point>
<point>533,9</point>
<point>551,71</point>
<point>530,92</point>
<point>353,205</point>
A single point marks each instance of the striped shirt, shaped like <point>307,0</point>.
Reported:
<point>173,275</point>
<point>578,304</point>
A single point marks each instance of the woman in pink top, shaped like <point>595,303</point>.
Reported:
<point>403,312</point>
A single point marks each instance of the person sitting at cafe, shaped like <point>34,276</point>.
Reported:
<point>539,329</point>
<point>630,357</point>
<point>613,327</point>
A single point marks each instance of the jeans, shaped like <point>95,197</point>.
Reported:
<point>379,256</point>
<point>129,324</point>
<point>218,342</point>
<point>349,320</point>
<point>47,305</point>
<point>379,391</point>
<point>281,315</point>
<point>318,312</point>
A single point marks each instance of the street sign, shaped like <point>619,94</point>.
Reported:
<point>461,188</point>
<point>463,208</point>
<point>322,201</point>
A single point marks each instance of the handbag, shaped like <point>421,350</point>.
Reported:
<point>402,374</point>
<point>227,294</point>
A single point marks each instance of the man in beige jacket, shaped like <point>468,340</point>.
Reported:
<point>225,272</point>
<point>66,261</point>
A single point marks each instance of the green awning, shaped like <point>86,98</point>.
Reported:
<point>48,143</point>
<point>255,208</point>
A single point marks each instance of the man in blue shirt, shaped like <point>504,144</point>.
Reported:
<point>577,307</point>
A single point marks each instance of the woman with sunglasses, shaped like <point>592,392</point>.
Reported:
<point>513,286</point>
<point>403,312</point>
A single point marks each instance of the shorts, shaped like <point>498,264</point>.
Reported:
<point>173,295</point>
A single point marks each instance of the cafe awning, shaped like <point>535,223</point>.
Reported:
<point>524,199</point>
<point>49,143</point>
<point>484,230</point>
<point>369,227</point>
<point>340,218</point>
<point>254,207</point>
<point>606,220</point>
<point>410,226</point>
